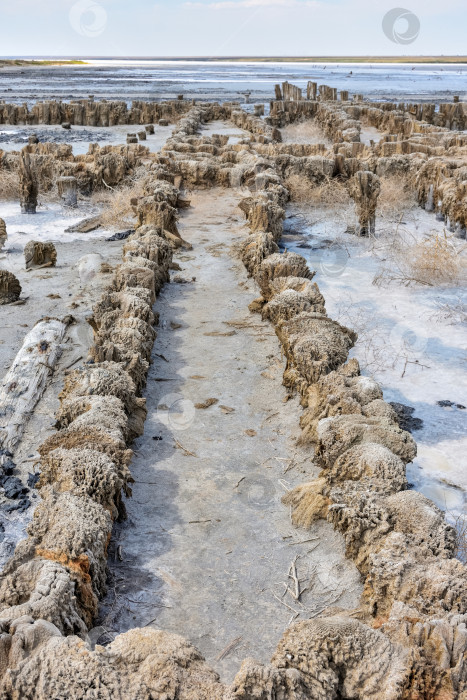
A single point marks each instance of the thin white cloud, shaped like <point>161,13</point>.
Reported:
<point>252,4</point>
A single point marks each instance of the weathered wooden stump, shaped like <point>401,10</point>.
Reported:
<point>33,139</point>
<point>364,188</point>
<point>3,234</point>
<point>311,90</point>
<point>163,122</point>
<point>291,92</point>
<point>66,125</point>
<point>142,135</point>
<point>10,288</point>
<point>259,110</point>
<point>38,254</point>
<point>27,184</point>
<point>68,190</point>
<point>149,128</point>
<point>131,138</point>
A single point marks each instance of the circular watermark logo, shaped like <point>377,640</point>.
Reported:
<point>93,636</point>
<point>401,26</point>
<point>406,341</point>
<point>333,261</point>
<point>88,18</point>
<point>176,412</point>
<point>257,491</point>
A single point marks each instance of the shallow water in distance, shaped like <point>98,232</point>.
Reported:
<point>223,80</point>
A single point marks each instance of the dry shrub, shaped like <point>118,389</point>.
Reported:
<point>396,197</point>
<point>299,188</point>
<point>436,260</point>
<point>9,184</point>
<point>331,193</point>
<point>117,210</point>
<point>304,132</point>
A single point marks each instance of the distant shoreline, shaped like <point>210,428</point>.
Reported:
<point>50,61</point>
<point>27,63</point>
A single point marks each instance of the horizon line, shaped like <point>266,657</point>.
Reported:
<point>236,56</point>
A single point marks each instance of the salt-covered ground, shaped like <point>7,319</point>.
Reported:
<point>224,128</point>
<point>48,224</point>
<point>14,138</point>
<point>411,338</point>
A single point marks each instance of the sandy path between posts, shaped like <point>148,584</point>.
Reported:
<point>207,546</point>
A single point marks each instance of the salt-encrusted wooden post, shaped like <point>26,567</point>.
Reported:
<point>10,288</point>
<point>364,188</point>
<point>311,90</point>
<point>3,235</point>
<point>68,190</point>
<point>27,184</point>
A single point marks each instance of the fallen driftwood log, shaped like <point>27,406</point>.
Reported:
<point>86,225</point>
<point>27,378</point>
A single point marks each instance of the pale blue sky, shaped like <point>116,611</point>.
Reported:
<point>225,27</point>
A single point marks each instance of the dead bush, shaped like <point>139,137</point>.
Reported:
<point>9,184</point>
<point>299,189</point>
<point>436,260</point>
<point>117,210</point>
<point>396,197</point>
<point>330,193</point>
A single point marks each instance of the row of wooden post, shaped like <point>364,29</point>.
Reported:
<point>291,93</point>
